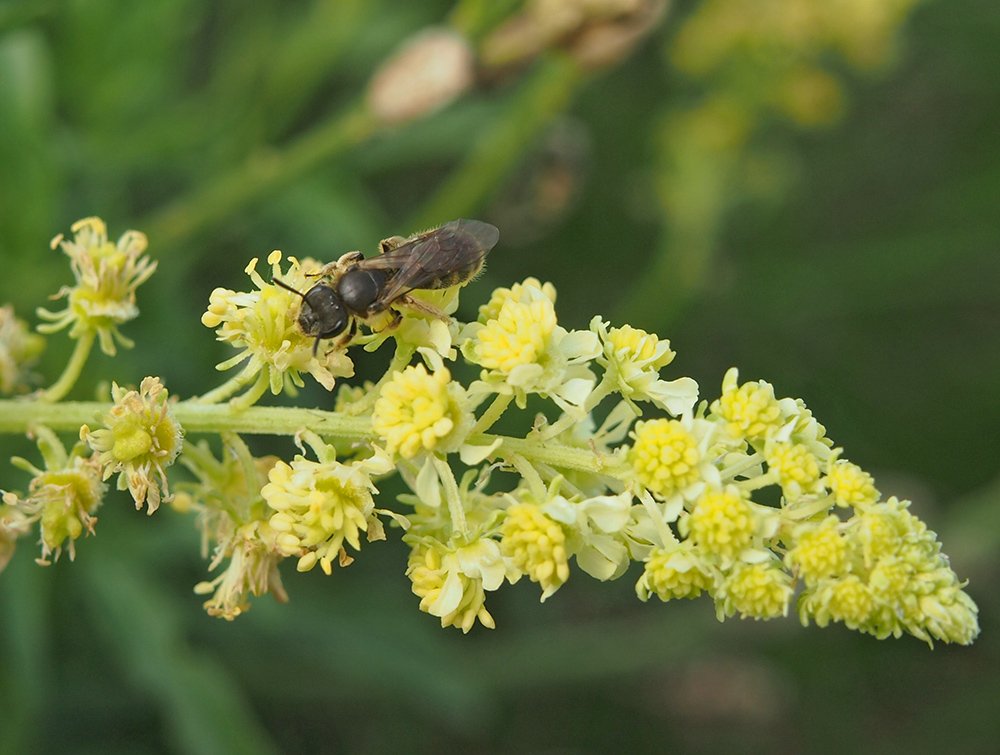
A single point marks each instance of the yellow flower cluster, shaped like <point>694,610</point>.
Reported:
<point>664,456</point>
<point>536,544</point>
<point>850,484</point>
<point>673,573</point>
<point>750,410</point>
<point>723,523</point>
<point>321,506</point>
<point>683,494</point>
<point>796,468</point>
<point>882,572</point>
<point>519,332</point>
<point>757,591</point>
<point>138,440</point>
<point>420,411</point>
<point>452,583</point>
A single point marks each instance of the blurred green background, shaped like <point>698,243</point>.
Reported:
<point>815,209</point>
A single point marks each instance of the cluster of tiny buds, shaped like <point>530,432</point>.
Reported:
<point>627,467</point>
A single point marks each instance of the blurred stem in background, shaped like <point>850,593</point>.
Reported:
<point>263,172</point>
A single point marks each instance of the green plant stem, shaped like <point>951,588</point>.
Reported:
<point>17,416</point>
<point>455,509</point>
<point>493,412</point>
<point>74,366</point>
<point>547,92</point>
<point>261,172</point>
<point>224,390</point>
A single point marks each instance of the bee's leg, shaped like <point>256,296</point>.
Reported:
<point>344,341</point>
<point>334,269</point>
<point>397,318</point>
<point>393,242</point>
<point>423,307</point>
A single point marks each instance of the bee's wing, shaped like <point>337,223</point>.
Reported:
<point>444,257</point>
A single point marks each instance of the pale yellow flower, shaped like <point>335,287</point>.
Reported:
<point>138,440</point>
<point>421,411</point>
<point>263,324</point>
<point>536,545</point>
<point>107,276</point>
<point>19,350</point>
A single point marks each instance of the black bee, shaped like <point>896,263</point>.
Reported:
<point>360,287</point>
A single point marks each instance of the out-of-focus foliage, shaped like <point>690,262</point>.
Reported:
<point>757,190</point>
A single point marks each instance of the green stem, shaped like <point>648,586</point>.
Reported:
<point>16,416</point>
<point>530,475</point>
<point>556,455</point>
<point>455,509</point>
<point>224,390</point>
<point>194,417</point>
<point>493,412</point>
<point>741,466</point>
<point>655,511</point>
<point>261,172</point>
<point>245,400</point>
<point>547,93</point>
<point>756,483</point>
<point>74,366</point>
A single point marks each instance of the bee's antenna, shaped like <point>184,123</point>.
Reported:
<point>287,287</point>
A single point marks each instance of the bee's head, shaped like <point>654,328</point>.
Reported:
<point>323,314</point>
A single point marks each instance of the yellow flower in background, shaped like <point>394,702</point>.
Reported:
<point>107,275</point>
<point>139,438</point>
<point>19,350</point>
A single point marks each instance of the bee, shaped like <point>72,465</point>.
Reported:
<point>358,287</point>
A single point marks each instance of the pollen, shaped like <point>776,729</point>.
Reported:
<point>537,546</point>
<point>665,456</point>
<point>420,411</point>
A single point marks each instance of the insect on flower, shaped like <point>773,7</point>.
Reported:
<point>360,287</point>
